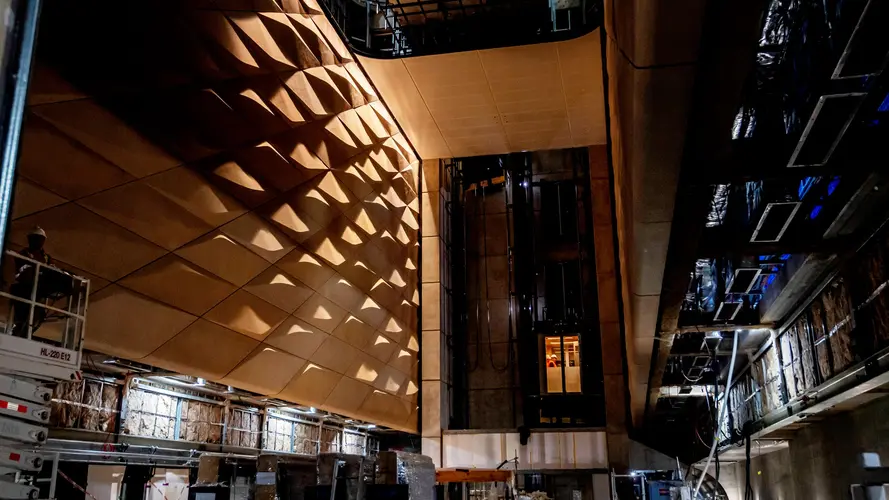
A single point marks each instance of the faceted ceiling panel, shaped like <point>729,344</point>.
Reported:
<point>495,101</point>
<point>242,200</point>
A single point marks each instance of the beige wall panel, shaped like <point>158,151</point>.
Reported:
<point>381,347</point>
<point>311,385</point>
<point>294,47</point>
<point>335,355</point>
<point>405,101</point>
<point>221,255</point>
<point>390,380</point>
<point>99,130</point>
<point>115,310</point>
<point>306,268</point>
<point>365,368</point>
<point>297,337</point>
<point>355,332</point>
<point>83,239</point>
<point>259,236</point>
<point>347,396</point>
<point>272,166</point>
<point>403,360</point>
<point>46,86</point>
<point>321,312</point>
<point>386,407</point>
<point>192,191</point>
<point>265,370</point>
<point>46,151</point>
<point>257,209</point>
<point>30,198</point>
<point>279,289</point>
<point>247,314</point>
<point>309,32</point>
<point>342,293</point>
<point>180,284</point>
<point>203,349</point>
<point>144,211</point>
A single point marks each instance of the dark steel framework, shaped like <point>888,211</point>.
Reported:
<point>391,29</point>
<point>807,141</point>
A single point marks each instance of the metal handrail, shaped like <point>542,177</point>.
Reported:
<point>78,314</point>
<point>392,29</point>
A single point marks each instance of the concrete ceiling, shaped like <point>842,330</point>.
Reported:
<point>525,98</point>
<point>254,224</point>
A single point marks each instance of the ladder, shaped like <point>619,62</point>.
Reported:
<point>40,344</point>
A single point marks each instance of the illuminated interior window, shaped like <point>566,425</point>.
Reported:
<point>561,364</point>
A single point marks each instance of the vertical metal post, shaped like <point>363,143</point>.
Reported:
<point>226,411</point>
<point>27,30</point>
<point>177,427</point>
<point>369,19</point>
<point>53,477</point>
<point>33,299</point>
<point>263,429</point>
<point>562,363</point>
<point>336,472</point>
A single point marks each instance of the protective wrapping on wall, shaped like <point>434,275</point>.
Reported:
<point>807,354</point>
<point>798,358</point>
<point>243,428</point>
<point>417,471</point>
<point>305,438</point>
<point>330,440</point>
<point>745,401</point>
<point>353,443</point>
<point>872,317</point>
<point>771,379</point>
<point>150,414</point>
<point>786,341</point>
<point>201,422</point>
<point>87,404</point>
<point>839,323</point>
<point>819,337</point>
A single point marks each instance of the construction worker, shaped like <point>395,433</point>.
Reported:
<point>24,282</point>
<point>36,239</point>
<point>552,362</point>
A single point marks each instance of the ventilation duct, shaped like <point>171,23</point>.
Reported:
<point>774,221</point>
<point>867,48</point>
<point>743,280</point>
<point>825,129</point>
<point>728,310</point>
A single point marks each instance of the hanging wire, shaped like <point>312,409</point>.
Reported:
<point>728,386</point>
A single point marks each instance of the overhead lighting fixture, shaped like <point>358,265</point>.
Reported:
<point>200,382</point>
<point>312,409</point>
<point>371,426</point>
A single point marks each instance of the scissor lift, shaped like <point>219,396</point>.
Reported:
<point>40,344</point>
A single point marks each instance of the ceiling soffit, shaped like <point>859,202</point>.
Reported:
<point>524,98</point>
<point>230,190</point>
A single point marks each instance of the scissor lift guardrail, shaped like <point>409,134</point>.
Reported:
<point>34,351</point>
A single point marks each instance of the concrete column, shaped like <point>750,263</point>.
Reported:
<point>266,477</point>
<point>435,391</point>
<point>609,317</point>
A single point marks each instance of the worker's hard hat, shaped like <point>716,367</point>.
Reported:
<point>37,231</point>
